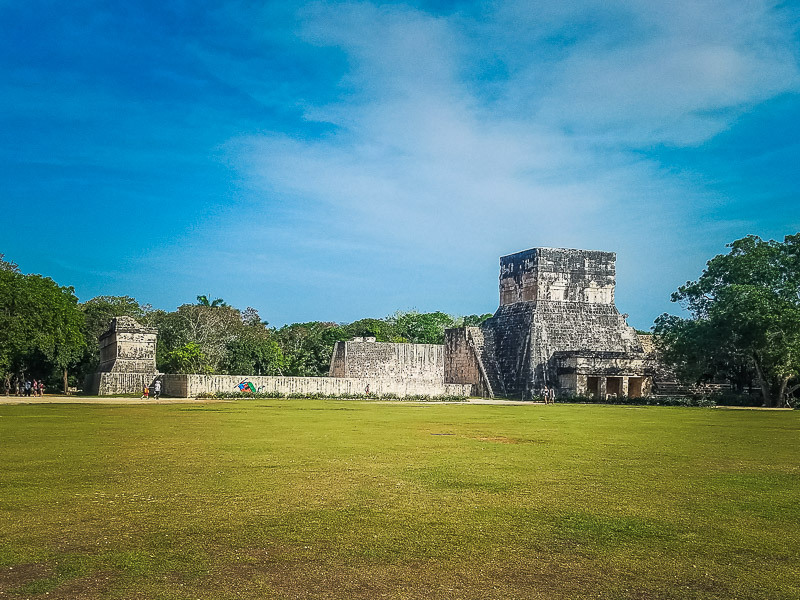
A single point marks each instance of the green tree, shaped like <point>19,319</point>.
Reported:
<point>211,328</point>
<point>189,358</point>
<point>422,328</point>
<point>254,356</point>
<point>40,324</point>
<point>207,301</point>
<point>308,347</point>
<point>745,313</point>
<point>472,320</point>
<point>6,265</point>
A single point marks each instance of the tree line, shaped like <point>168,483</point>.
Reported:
<point>45,332</point>
<point>742,326</point>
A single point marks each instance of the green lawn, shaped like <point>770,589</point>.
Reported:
<point>335,499</point>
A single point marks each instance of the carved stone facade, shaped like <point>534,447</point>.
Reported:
<point>127,347</point>
<point>557,327</point>
<point>127,359</point>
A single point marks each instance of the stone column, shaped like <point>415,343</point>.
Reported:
<point>602,388</point>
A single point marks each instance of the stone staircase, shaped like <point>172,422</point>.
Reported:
<point>484,348</point>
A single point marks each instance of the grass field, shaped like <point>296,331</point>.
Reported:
<point>335,499</point>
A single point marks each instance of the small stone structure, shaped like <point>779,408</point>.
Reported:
<point>557,327</point>
<point>127,359</point>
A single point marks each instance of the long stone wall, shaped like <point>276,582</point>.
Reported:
<point>189,386</point>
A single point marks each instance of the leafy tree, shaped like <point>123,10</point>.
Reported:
<point>381,329</point>
<point>422,328</point>
<point>745,313</point>
<point>207,301</point>
<point>189,358</point>
<point>253,351</point>
<point>472,320</point>
<point>40,324</point>
<point>6,265</point>
<point>253,356</point>
<point>308,346</point>
<point>210,328</point>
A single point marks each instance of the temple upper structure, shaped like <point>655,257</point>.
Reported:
<point>127,347</point>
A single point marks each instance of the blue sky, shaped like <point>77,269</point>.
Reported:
<point>332,161</point>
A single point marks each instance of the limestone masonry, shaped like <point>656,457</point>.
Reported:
<point>127,358</point>
<point>364,357</point>
<point>556,328</point>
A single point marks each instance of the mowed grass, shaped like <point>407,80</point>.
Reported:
<point>335,499</point>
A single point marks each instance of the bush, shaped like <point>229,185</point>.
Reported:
<point>732,398</point>
<point>701,401</point>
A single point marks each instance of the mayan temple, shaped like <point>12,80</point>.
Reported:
<point>556,327</point>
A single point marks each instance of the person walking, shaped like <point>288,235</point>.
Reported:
<point>27,388</point>
<point>146,393</point>
<point>157,389</point>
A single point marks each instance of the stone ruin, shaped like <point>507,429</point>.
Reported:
<point>363,357</point>
<point>127,359</point>
<point>556,328</point>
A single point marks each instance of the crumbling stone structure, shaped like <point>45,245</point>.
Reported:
<point>557,327</point>
<point>127,358</point>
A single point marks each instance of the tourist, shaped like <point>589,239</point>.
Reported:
<point>157,389</point>
<point>7,384</point>
<point>27,387</point>
<point>146,393</point>
<point>41,388</point>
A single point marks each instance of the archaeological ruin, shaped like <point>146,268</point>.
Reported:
<point>127,359</point>
<point>556,329</point>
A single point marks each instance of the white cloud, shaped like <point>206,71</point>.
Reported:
<point>426,161</point>
<point>650,73</point>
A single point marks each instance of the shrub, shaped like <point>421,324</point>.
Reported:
<point>701,401</point>
<point>238,395</point>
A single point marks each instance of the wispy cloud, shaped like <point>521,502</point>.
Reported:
<point>395,149</point>
<point>461,136</point>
